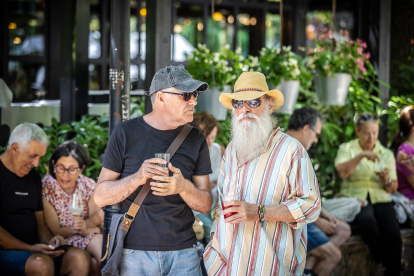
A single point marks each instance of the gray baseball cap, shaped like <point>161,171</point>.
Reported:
<point>177,77</point>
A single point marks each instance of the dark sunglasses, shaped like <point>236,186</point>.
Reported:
<point>253,103</point>
<point>186,96</point>
<point>368,117</point>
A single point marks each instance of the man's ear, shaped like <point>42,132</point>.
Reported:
<point>15,148</point>
<point>160,96</point>
<point>271,104</point>
<point>305,128</point>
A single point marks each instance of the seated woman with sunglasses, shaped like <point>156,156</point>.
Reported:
<point>357,163</point>
<point>65,167</point>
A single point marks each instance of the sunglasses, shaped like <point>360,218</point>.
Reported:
<point>253,103</point>
<point>368,117</point>
<point>186,96</point>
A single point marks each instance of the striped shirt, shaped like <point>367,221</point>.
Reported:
<point>279,173</point>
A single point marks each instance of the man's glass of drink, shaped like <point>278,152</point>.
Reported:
<point>228,198</point>
<point>166,158</point>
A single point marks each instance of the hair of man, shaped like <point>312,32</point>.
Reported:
<point>24,133</point>
<point>304,116</point>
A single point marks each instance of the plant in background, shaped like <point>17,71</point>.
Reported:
<point>57,135</point>
<point>2,149</point>
<point>211,67</point>
<point>395,105</point>
<point>347,56</point>
<point>91,132</point>
<point>277,64</point>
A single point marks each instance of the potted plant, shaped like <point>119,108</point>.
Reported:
<point>285,71</point>
<point>335,63</point>
<point>215,69</point>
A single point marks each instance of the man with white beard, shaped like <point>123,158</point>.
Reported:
<point>267,187</point>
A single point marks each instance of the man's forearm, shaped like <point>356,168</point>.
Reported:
<point>197,199</point>
<point>114,191</point>
<point>278,213</point>
<point>8,242</point>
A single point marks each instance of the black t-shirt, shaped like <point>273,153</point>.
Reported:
<point>163,223</point>
<point>20,198</point>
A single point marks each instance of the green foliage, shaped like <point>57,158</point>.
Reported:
<point>395,105</point>
<point>92,133</point>
<point>2,149</point>
<point>404,84</point>
<point>277,64</point>
<point>212,67</point>
<point>346,56</point>
<point>57,135</point>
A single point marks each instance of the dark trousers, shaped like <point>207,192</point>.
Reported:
<point>379,229</point>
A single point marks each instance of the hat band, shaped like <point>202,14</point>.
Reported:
<point>248,89</point>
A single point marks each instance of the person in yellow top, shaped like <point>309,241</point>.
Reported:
<point>368,172</point>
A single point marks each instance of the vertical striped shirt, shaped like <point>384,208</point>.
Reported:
<point>279,173</point>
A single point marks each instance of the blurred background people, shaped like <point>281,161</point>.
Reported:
<point>210,128</point>
<point>27,246</point>
<point>327,233</point>
<point>404,146</point>
<point>79,225</point>
<point>368,171</point>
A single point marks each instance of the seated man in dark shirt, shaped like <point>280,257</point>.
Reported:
<point>161,239</point>
<point>26,244</point>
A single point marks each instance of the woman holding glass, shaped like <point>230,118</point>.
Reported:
<point>368,172</point>
<point>69,207</point>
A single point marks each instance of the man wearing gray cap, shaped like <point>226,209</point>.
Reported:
<point>161,240</point>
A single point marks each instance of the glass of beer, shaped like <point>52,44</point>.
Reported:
<point>76,205</point>
<point>227,198</point>
<point>166,158</point>
<point>378,167</point>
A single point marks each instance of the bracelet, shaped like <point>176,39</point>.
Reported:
<point>261,213</point>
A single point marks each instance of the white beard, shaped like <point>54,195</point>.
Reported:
<point>249,136</point>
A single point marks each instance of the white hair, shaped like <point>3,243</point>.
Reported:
<point>26,132</point>
<point>250,136</point>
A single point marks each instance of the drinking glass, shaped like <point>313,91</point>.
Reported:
<point>227,198</point>
<point>378,167</point>
<point>76,205</point>
<point>166,158</point>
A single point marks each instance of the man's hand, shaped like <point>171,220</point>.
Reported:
<point>149,169</point>
<point>244,212</point>
<point>48,249</point>
<point>80,226</point>
<point>326,226</point>
<point>57,241</point>
<point>174,185</point>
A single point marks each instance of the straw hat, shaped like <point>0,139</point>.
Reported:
<point>250,86</point>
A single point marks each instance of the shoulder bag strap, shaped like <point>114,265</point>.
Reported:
<point>133,210</point>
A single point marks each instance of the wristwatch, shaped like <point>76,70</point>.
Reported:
<point>389,183</point>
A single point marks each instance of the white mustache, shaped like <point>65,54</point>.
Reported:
<point>246,115</point>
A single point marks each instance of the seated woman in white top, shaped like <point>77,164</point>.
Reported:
<point>210,128</point>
